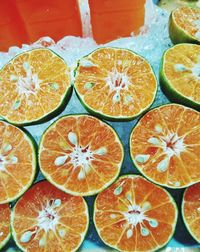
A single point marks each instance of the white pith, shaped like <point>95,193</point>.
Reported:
<point>29,84</point>
<point>171,145</point>
<point>47,220</point>
<point>176,141</point>
<point>83,159</point>
<point>118,81</point>
<point>80,156</point>
<point>135,218</point>
<point>136,215</point>
<point>6,157</point>
<point>194,70</point>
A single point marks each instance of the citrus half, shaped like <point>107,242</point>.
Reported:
<point>115,83</point>
<point>33,85</point>
<point>180,74</point>
<point>45,218</point>
<point>133,214</point>
<point>80,154</point>
<point>184,25</point>
<point>165,145</point>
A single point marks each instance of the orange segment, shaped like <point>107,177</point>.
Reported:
<point>111,233</point>
<point>15,189</point>
<point>161,211</point>
<point>129,215</point>
<point>191,210</point>
<point>104,169</point>
<point>103,218</point>
<point>80,154</point>
<point>148,242</point>
<point>68,223</point>
<point>46,217</point>
<point>33,85</point>
<point>127,244</point>
<point>107,59</point>
<point>157,233</point>
<point>74,208</point>
<point>20,171</point>
<point>4,224</point>
<point>69,240</point>
<point>82,187</point>
<point>165,145</point>
<point>17,162</point>
<point>115,83</point>
<point>180,73</point>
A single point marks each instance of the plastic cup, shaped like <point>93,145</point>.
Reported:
<point>113,19</point>
<point>25,21</point>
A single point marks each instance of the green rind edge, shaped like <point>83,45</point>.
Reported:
<point>184,220</point>
<point>171,92</point>
<point>107,117</point>
<point>61,106</point>
<point>172,201</point>
<point>61,187</point>
<point>5,241</point>
<point>137,167</point>
<point>13,233</point>
<point>177,34</point>
<point>33,144</point>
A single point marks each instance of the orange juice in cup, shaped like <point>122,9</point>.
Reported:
<point>25,21</point>
<point>112,19</point>
<point>53,18</point>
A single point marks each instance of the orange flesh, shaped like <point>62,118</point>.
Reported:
<point>186,81</point>
<point>117,231</point>
<point>71,215</point>
<point>46,81</point>
<point>116,72</point>
<point>113,20</point>
<point>17,162</point>
<point>92,136</point>
<point>173,160</point>
<point>191,210</point>
<point>185,18</point>
<point>4,223</point>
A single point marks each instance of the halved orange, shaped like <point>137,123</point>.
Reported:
<point>191,210</point>
<point>4,224</point>
<point>17,162</point>
<point>180,74</point>
<point>184,25</point>
<point>33,85</point>
<point>165,145</point>
<point>47,219</point>
<point>133,214</point>
<point>80,154</point>
<point>115,83</point>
